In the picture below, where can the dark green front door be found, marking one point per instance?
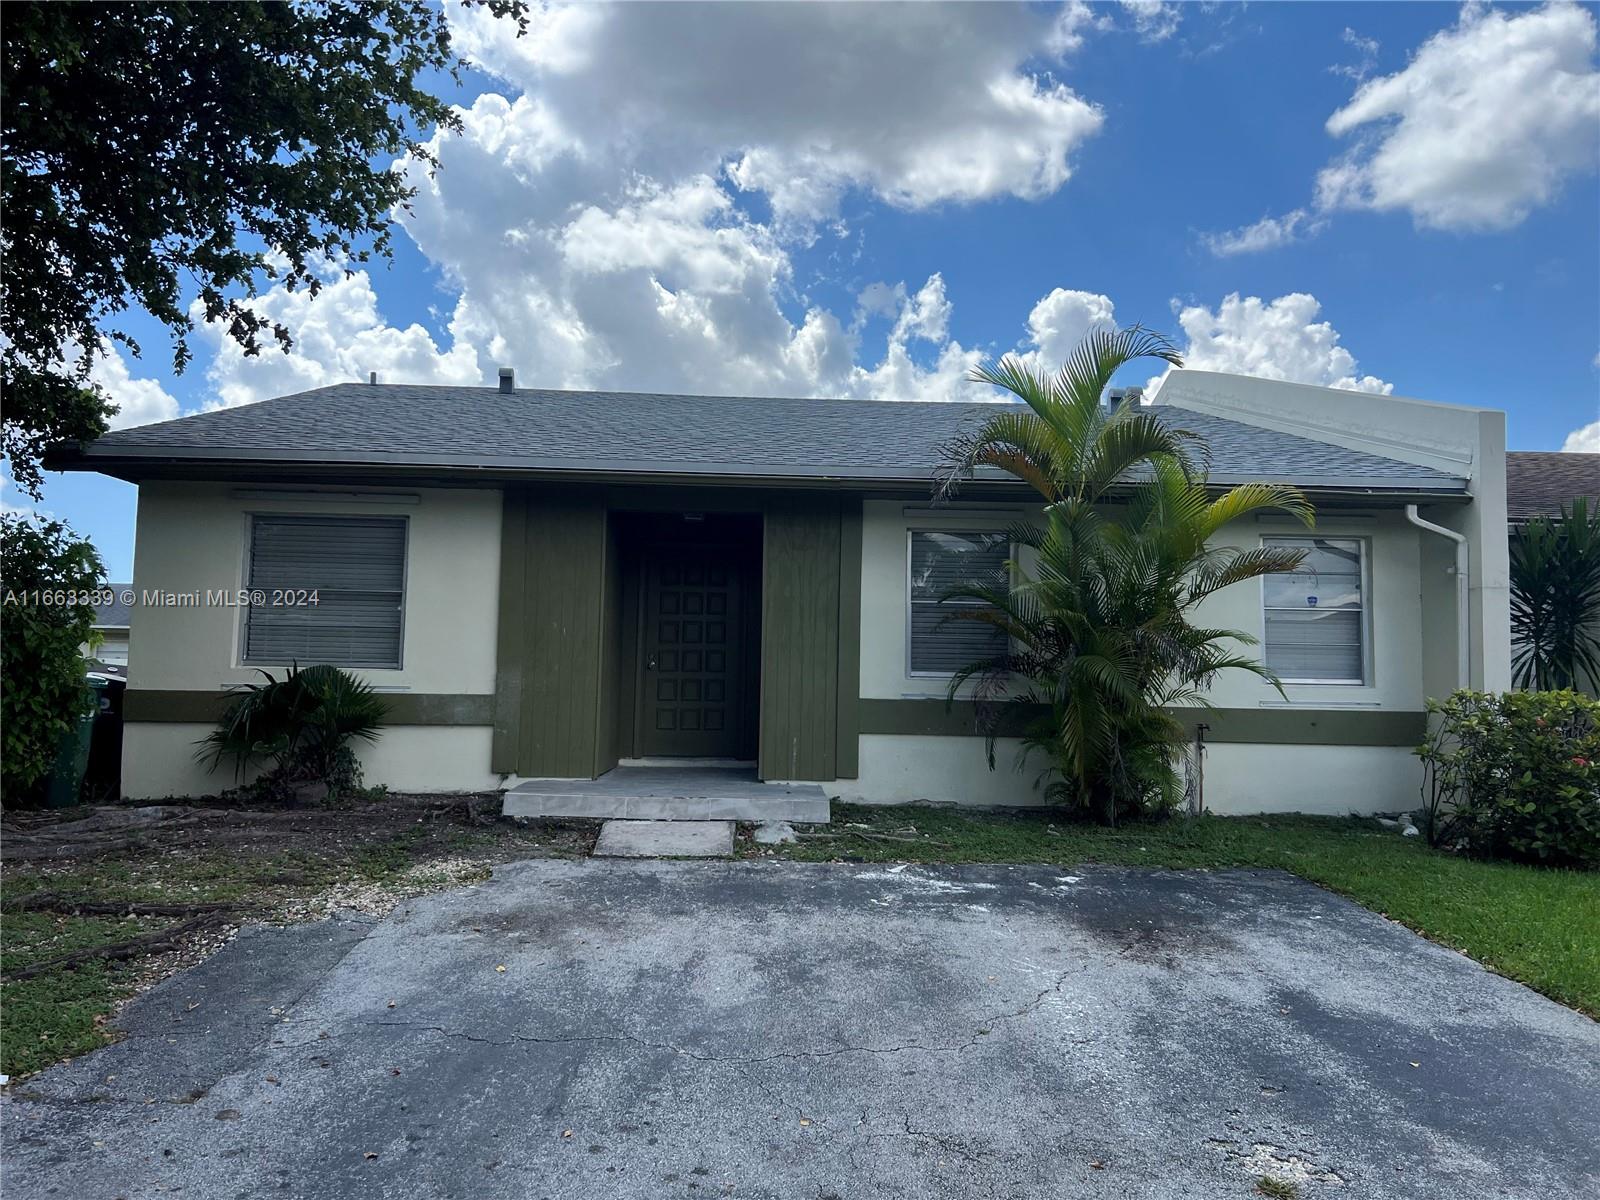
(690, 668)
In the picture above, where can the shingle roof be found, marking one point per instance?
(1538, 483)
(647, 433)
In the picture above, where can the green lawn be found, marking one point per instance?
(1539, 926)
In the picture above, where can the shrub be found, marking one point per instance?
(304, 723)
(1515, 776)
(43, 689)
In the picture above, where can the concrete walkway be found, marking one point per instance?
(665, 1030)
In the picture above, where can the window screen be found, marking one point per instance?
(356, 568)
(1316, 615)
(939, 562)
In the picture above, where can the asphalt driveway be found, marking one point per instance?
(670, 1029)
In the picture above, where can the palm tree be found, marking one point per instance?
(1555, 600)
(1098, 628)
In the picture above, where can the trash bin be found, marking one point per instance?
(102, 783)
(72, 756)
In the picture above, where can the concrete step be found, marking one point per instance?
(669, 794)
(665, 839)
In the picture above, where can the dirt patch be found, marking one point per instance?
(101, 904)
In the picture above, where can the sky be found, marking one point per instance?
(867, 200)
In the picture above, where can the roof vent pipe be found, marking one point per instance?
(1463, 597)
(372, 378)
(508, 379)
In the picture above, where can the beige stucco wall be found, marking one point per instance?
(1239, 778)
(1330, 780)
(158, 760)
(192, 537)
(1394, 606)
(903, 768)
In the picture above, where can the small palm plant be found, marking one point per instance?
(1555, 600)
(1099, 625)
(304, 722)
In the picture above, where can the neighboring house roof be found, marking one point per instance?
(115, 614)
(1538, 482)
(625, 434)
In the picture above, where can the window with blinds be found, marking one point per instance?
(1315, 615)
(355, 566)
(939, 562)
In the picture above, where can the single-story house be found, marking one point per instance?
(111, 624)
(548, 583)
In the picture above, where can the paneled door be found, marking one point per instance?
(689, 671)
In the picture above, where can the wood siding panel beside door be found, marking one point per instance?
(608, 713)
(801, 557)
(550, 700)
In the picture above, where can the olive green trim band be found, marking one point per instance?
(405, 708)
(1271, 726)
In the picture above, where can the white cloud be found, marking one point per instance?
(1583, 440)
(1366, 56)
(1483, 126)
(339, 337)
(924, 316)
(1154, 20)
(138, 401)
(1277, 339)
(596, 222)
(1266, 234)
(919, 104)
(22, 506)
(1059, 322)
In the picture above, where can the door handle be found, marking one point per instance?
(650, 663)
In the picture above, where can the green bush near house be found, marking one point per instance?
(305, 724)
(1515, 776)
(49, 578)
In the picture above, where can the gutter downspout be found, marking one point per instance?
(1463, 604)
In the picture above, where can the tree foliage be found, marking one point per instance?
(48, 577)
(1098, 608)
(1555, 600)
(159, 152)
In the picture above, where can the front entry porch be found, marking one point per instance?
(688, 793)
(676, 623)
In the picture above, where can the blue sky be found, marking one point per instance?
(849, 206)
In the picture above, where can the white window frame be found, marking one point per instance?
(952, 531)
(242, 635)
(1364, 549)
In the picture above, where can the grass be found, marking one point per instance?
(1278, 1189)
(64, 1012)
(1535, 925)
